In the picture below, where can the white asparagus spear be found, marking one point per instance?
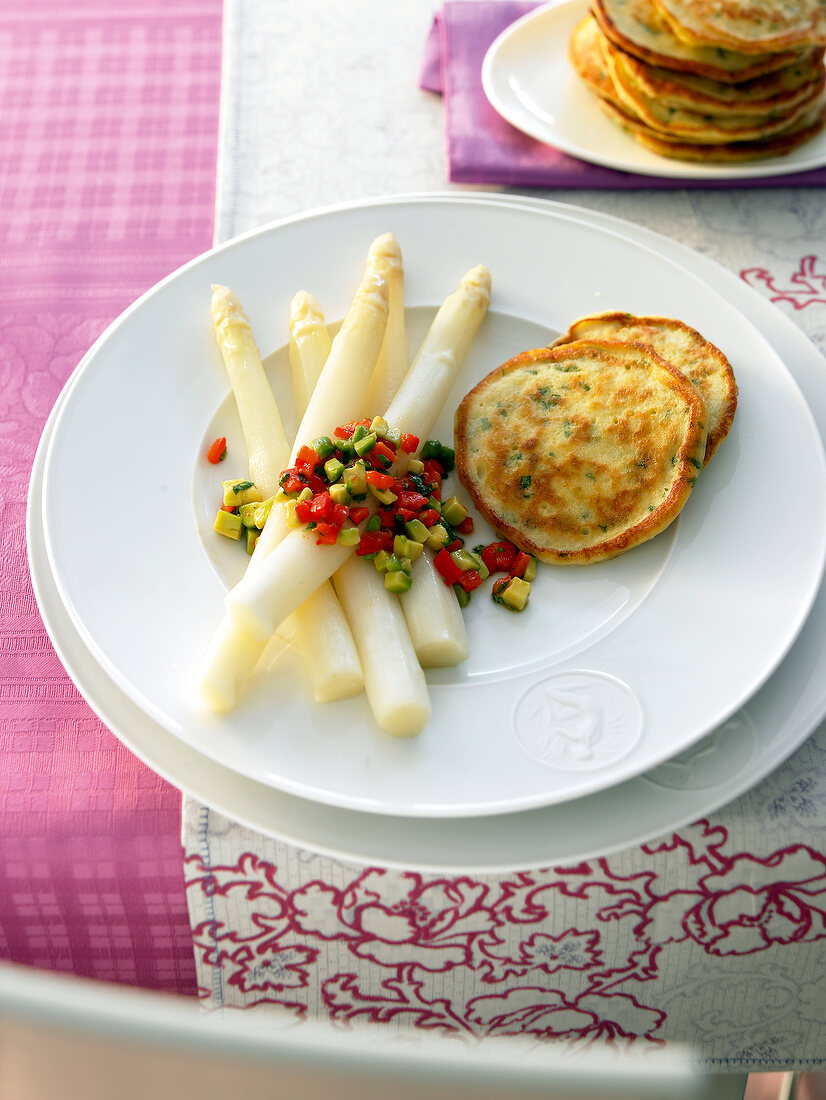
(267, 445)
(322, 632)
(394, 360)
(326, 641)
(309, 347)
(434, 618)
(267, 592)
(422, 394)
(393, 679)
(230, 658)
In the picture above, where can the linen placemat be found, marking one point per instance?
(481, 147)
(714, 935)
(108, 135)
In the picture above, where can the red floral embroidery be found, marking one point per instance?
(805, 287)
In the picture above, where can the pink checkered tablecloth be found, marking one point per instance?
(108, 137)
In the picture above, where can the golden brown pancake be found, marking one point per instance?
(807, 127)
(705, 366)
(681, 124)
(747, 26)
(639, 28)
(581, 452)
(778, 91)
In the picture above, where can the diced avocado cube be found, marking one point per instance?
(373, 523)
(348, 536)
(306, 493)
(380, 426)
(384, 496)
(229, 524)
(403, 547)
(338, 493)
(514, 594)
(323, 447)
(437, 537)
(262, 512)
(292, 518)
(395, 563)
(333, 469)
(381, 559)
(415, 466)
(530, 570)
(461, 595)
(393, 436)
(355, 478)
(238, 492)
(253, 535)
(247, 514)
(344, 445)
(359, 432)
(415, 529)
(480, 566)
(453, 511)
(435, 504)
(366, 444)
(464, 559)
(398, 581)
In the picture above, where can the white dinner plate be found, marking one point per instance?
(529, 81)
(752, 744)
(612, 670)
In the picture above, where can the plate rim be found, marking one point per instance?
(637, 787)
(668, 169)
(618, 228)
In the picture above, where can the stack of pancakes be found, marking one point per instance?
(583, 450)
(711, 80)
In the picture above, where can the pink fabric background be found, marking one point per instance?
(108, 136)
(483, 148)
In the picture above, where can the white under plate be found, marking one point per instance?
(612, 670)
(772, 725)
(529, 81)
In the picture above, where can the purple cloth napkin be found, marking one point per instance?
(483, 148)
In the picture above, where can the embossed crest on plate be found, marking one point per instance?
(710, 762)
(578, 720)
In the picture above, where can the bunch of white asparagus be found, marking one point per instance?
(354, 634)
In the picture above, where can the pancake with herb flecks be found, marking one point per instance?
(705, 366)
(639, 28)
(747, 26)
(580, 452)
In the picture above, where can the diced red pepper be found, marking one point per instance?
(345, 431)
(429, 516)
(470, 579)
(321, 508)
(499, 557)
(373, 541)
(327, 534)
(405, 514)
(382, 450)
(447, 568)
(359, 515)
(386, 517)
(307, 457)
(413, 501)
(409, 443)
(290, 481)
(228, 508)
(217, 451)
(522, 562)
(340, 514)
(377, 478)
(302, 511)
(456, 544)
(466, 526)
(433, 471)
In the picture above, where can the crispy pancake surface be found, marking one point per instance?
(812, 122)
(748, 26)
(580, 452)
(785, 88)
(640, 28)
(705, 366)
